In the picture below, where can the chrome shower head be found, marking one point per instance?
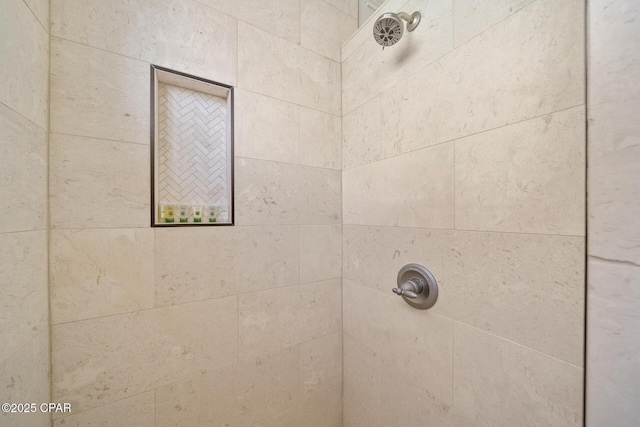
(389, 28)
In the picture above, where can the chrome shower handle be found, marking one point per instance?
(417, 286)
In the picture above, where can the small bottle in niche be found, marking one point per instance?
(197, 213)
(169, 211)
(223, 214)
(183, 213)
(161, 208)
(212, 213)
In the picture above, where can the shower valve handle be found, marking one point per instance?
(410, 288)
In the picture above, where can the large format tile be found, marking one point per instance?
(347, 6)
(318, 411)
(266, 192)
(279, 17)
(402, 335)
(98, 94)
(24, 378)
(501, 283)
(97, 183)
(614, 193)
(406, 402)
(499, 383)
(237, 396)
(92, 273)
(361, 140)
(471, 17)
(40, 9)
(136, 411)
(321, 366)
(23, 183)
(155, 32)
(414, 189)
(24, 53)
(102, 360)
(24, 306)
(362, 386)
(370, 70)
(526, 66)
(266, 128)
(320, 196)
(320, 139)
(288, 72)
(527, 177)
(323, 28)
(280, 193)
(194, 264)
(320, 252)
(277, 318)
(613, 343)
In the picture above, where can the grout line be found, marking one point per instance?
(48, 210)
(294, 103)
(180, 304)
(23, 231)
(464, 230)
(73, 135)
(458, 138)
(13, 110)
(454, 184)
(37, 19)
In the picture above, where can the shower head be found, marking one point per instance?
(389, 28)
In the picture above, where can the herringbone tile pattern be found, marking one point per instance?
(192, 139)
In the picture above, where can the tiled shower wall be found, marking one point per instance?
(201, 326)
(24, 121)
(464, 150)
(613, 350)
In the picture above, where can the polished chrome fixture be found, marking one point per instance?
(389, 28)
(417, 286)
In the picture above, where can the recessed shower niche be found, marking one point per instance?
(192, 150)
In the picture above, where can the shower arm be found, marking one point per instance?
(406, 17)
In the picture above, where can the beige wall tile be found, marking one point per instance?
(361, 135)
(471, 17)
(136, 411)
(320, 252)
(288, 72)
(98, 183)
(98, 94)
(196, 263)
(145, 31)
(23, 185)
(362, 385)
(526, 66)
(402, 335)
(277, 318)
(316, 35)
(280, 193)
(369, 70)
(92, 273)
(40, 9)
(322, 410)
(236, 396)
(497, 382)
(320, 196)
(527, 177)
(24, 306)
(321, 367)
(347, 6)
(279, 17)
(613, 342)
(24, 378)
(406, 403)
(320, 139)
(266, 192)
(614, 193)
(266, 128)
(24, 51)
(99, 361)
(414, 190)
(501, 283)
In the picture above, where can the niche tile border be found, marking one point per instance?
(169, 86)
